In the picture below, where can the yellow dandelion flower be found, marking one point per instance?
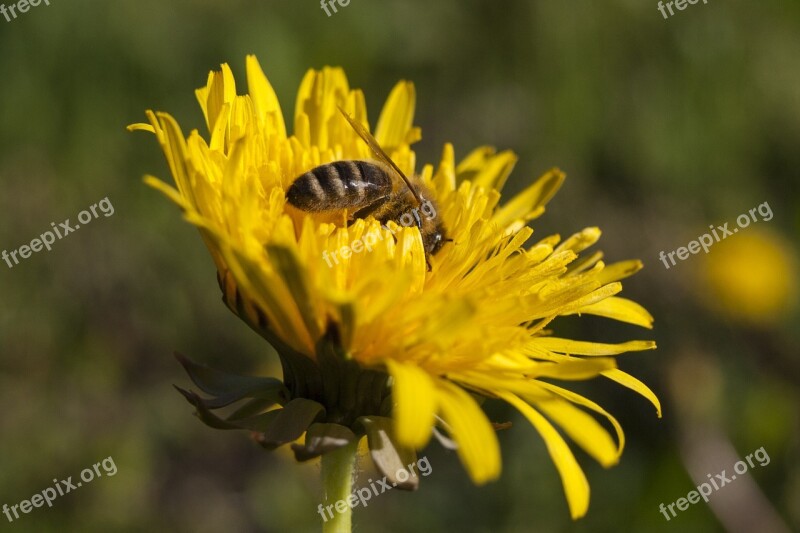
(751, 278)
(384, 341)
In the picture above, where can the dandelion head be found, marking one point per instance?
(398, 338)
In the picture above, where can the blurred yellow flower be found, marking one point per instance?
(473, 325)
(751, 277)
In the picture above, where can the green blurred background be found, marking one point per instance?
(663, 127)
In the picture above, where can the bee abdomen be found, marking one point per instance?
(339, 185)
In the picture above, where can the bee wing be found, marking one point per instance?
(378, 151)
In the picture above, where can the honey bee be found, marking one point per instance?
(370, 188)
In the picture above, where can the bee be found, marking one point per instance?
(377, 188)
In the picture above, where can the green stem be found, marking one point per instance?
(337, 480)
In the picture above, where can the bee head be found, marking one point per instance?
(434, 240)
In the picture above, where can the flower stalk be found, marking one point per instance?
(337, 479)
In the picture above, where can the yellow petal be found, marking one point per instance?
(295, 277)
(450, 314)
(580, 241)
(583, 429)
(264, 97)
(445, 178)
(415, 403)
(141, 127)
(575, 370)
(175, 150)
(620, 309)
(221, 91)
(473, 162)
(568, 346)
(169, 191)
(476, 438)
(495, 171)
(318, 97)
(272, 296)
(587, 262)
(397, 116)
(576, 487)
(530, 203)
(626, 380)
(605, 292)
(585, 402)
(620, 270)
(219, 131)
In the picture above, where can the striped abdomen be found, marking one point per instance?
(340, 185)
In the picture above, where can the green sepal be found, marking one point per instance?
(323, 438)
(348, 388)
(389, 457)
(201, 411)
(252, 407)
(229, 388)
(253, 423)
(289, 423)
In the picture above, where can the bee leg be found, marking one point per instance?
(367, 210)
